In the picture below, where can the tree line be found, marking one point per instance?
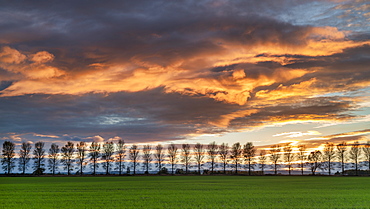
(116, 156)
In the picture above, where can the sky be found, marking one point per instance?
(266, 72)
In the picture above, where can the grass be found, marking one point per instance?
(185, 192)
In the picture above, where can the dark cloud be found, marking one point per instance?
(143, 116)
(163, 70)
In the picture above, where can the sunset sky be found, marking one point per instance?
(192, 71)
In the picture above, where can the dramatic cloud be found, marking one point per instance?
(157, 71)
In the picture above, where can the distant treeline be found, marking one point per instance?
(178, 159)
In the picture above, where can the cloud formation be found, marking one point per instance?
(164, 70)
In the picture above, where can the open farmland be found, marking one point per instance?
(185, 192)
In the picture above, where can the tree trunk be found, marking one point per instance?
(120, 166)
(134, 167)
(249, 168)
(94, 167)
(212, 165)
(24, 168)
(107, 169)
(81, 169)
(302, 167)
(275, 169)
(9, 167)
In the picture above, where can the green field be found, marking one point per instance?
(185, 192)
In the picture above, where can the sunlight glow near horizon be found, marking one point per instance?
(265, 72)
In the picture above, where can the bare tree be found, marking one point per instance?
(134, 156)
(147, 157)
(186, 157)
(262, 160)
(329, 154)
(94, 155)
(236, 155)
(366, 150)
(223, 151)
(121, 151)
(67, 156)
(107, 156)
(24, 156)
(249, 151)
(354, 154)
(199, 155)
(275, 156)
(301, 156)
(341, 153)
(8, 156)
(53, 158)
(159, 156)
(172, 154)
(212, 153)
(288, 156)
(39, 155)
(81, 156)
(314, 159)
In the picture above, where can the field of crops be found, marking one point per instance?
(185, 192)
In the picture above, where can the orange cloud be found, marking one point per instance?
(304, 88)
(141, 73)
(11, 56)
(225, 120)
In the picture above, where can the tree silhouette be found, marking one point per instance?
(159, 156)
(329, 154)
(186, 157)
(223, 151)
(53, 157)
(236, 155)
(121, 151)
(199, 155)
(212, 153)
(172, 154)
(262, 160)
(8, 156)
(134, 155)
(147, 157)
(24, 156)
(354, 154)
(94, 155)
(301, 156)
(288, 156)
(39, 155)
(81, 155)
(249, 151)
(275, 156)
(341, 152)
(314, 159)
(67, 156)
(366, 150)
(107, 156)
